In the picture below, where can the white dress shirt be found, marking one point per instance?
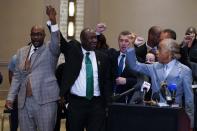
(79, 87)
(32, 50)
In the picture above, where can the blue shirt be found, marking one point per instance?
(12, 64)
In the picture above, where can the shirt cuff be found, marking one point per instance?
(54, 28)
(97, 33)
(49, 23)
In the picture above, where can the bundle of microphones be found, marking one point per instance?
(137, 99)
(167, 91)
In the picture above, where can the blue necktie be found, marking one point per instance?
(89, 77)
(121, 64)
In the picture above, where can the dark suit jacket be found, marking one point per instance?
(73, 61)
(193, 52)
(130, 75)
(141, 52)
(184, 56)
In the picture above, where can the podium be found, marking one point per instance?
(122, 117)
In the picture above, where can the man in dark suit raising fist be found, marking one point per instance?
(86, 81)
(150, 45)
(123, 78)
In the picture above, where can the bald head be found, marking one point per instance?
(167, 33)
(154, 30)
(38, 27)
(191, 30)
(153, 35)
(88, 39)
(37, 35)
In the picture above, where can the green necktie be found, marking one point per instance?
(89, 77)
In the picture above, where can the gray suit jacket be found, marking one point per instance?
(180, 75)
(41, 73)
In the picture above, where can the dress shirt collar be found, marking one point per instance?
(121, 54)
(33, 48)
(84, 51)
(171, 63)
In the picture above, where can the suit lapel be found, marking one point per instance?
(25, 54)
(79, 63)
(98, 60)
(116, 57)
(174, 74)
(115, 61)
(158, 68)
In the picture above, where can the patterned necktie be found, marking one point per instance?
(28, 59)
(120, 65)
(89, 77)
(30, 54)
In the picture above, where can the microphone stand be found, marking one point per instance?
(118, 96)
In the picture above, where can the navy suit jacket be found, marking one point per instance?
(132, 77)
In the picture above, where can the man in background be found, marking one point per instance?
(150, 45)
(169, 33)
(14, 111)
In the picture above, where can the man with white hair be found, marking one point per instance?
(169, 70)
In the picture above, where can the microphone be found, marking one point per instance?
(145, 88)
(118, 96)
(165, 92)
(172, 88)
(156, 97)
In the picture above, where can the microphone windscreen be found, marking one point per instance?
(172, 87)
(146, 86)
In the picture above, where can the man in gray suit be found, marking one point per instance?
(35, 83)
(176, 73)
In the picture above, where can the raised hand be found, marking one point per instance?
(51, 12)
(100, 28)
(120, 81)
(188, 39)
(139, 41)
